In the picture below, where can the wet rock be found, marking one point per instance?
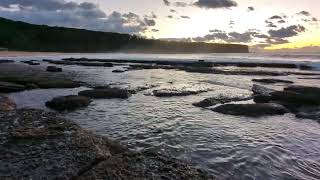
(6, 87)
(251, 110)
(118, 71)
(314, 115)
(174, 92)
(2, 61)
(94, 64)
(106, 93)
(31, 63)
(54, 69)
(262, 98)
(144, 165)
(35, 144)
(272, 81)
(6, 104)
(303, 90)
(68, 103)
(107, 64)
(265, 65)
(305, 67)
(141, 88)
(298, 95)
(257, 89)
(218, 100)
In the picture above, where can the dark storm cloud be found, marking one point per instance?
(185, 17)
(250, 9)
(232, 37)
(166, 2)
(213, 4)
(304, 13)
(70, 14)
(275, 17)
(270, 24)
(150, 22)
(41, 4)
(180, 4)
(173, 11)
(155, 30)
(281, 21)
(287, 32)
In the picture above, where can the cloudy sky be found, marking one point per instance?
(270, 24)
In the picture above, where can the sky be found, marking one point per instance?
(261, 24)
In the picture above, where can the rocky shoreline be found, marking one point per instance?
(36, 144)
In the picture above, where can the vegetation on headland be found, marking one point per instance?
(28, 37)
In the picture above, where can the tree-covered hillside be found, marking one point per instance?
(28, 37)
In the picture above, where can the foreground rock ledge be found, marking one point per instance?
(35, 144)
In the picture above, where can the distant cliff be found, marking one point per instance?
(28, 37)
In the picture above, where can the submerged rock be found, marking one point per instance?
(173, 92)
(72, 102)
(6, 87)
(106, 93)
(272, 81)
(35, 144)
(251, 110)
(218, 100)
(257, 89)
(6, 104)
(54, 69)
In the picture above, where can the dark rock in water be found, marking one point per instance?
(54, 69)
(68, 102)
(251, 110)
(6, 61)
(107, 64)
(248, 64)
(35, 144)
(141, 88)
(314, 115)
(144, 165)
(218, 100)
(106, 93)
(173, 92)
(32, 63)
(32, 86)
(262, 98)
(305, 67)
(118, 71)
(6, 104)
(257, 89)
(6, 87)
(271, 81)
(298, 96)
(304, 90)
